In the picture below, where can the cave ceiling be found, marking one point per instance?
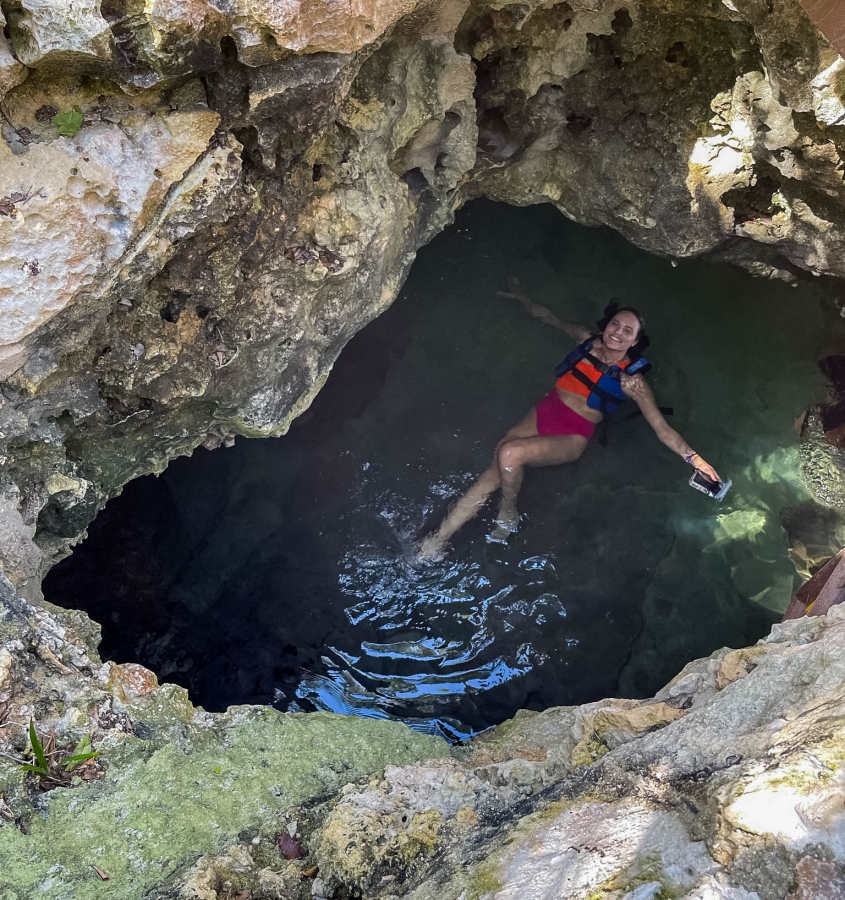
(200, 205)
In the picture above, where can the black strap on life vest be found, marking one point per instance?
(666, 410)
(603, 395)
(603, 427)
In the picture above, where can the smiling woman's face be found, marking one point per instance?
(621, 332)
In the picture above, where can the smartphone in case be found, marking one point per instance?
(714, 489)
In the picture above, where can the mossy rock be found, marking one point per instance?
(162, 808)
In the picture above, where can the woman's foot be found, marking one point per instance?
(506, 524)
(432, 548)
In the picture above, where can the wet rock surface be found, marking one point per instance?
(180, 264)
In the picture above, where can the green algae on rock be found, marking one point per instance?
(157, 807)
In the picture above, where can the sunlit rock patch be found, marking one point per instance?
(80, 206)
(735, 798)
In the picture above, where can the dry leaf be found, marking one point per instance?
(289, 847)
(301, 255)
(330, 260)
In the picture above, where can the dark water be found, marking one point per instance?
(278, 570)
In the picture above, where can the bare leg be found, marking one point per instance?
(463, 510)
(431, 547)
(514, 455)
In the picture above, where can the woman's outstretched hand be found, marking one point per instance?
(545, 315)
(636, 387)
(515, 293)
(702, 465)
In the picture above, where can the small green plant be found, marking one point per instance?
(54, 766)
(68, 123)
(42, 767)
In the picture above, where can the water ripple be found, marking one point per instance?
(452, 630)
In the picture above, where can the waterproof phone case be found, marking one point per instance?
(714, 489)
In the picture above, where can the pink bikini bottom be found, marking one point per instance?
(555, 417)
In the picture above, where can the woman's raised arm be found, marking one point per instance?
(576, 332)
(638, 390)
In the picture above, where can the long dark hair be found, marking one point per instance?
(637, 350)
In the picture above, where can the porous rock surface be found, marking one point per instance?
(728, 784)
(245, 187)
(176, 781)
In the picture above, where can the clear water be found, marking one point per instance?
(278, 571)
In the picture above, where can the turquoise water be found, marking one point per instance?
(279, 570)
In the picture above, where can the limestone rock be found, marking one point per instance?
(93, 198)
(314, 27)
(556, 741)
(21, 559)
(384, 833)
(360, 849)
(819, 879)
(211, 875)
(5, 674)
(359, 140)
(247, 187)
(61, 34)
(12, 71)
(697, 774)
(304, 93)
(167, 39)
(163, 759)
(822, 465)
(433, 129)
(740, 796)
(623, 849)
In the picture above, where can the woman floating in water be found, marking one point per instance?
(604, 370)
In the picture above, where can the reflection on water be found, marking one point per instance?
(282, 570)
(449, 632)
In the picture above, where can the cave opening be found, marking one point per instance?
(277, 571)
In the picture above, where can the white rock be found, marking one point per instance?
(798, 802)
(12, 72)
(95, 194)
(5, 672)
(60, 32)
(716, 887)
(647, 891)
(594, 842)
(58, 483)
